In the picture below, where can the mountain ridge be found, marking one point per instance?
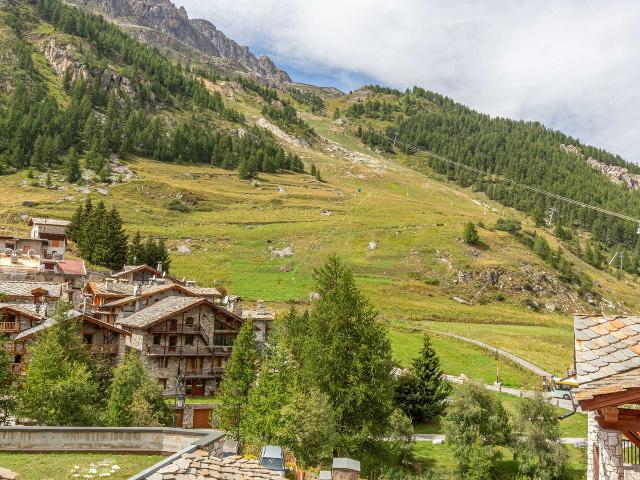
(160, 22)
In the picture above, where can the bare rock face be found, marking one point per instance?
(161, 21)
(60, 56)
(617, 174)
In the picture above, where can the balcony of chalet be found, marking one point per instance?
(10, 327)
(213, 372)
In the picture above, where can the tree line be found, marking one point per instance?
(99, 234)
(523, 151)
(38, 133)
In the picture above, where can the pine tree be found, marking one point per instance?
(313, 171)
(134, 252)
(111, 247)
(238, 380)
(72, 166)
(470, 234)
(163, 256)
(75, 225)
(423, 393)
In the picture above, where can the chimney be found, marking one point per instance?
(159, 267)
(136, 290)
(345, 469)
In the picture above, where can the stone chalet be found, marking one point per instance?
(607, 354)
(183, 335)
(54, 232)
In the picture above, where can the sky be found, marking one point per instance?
(573, 65)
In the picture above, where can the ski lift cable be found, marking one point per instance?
(515, 182)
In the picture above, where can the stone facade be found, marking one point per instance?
(605, 447)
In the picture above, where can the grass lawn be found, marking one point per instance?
(58, 466)
(458, 357)
(439, 458)
(194, 400)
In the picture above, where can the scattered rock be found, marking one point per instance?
(6, 474)
(183, 249)
(314, 296)
(373, 245)
(437, 441)
(102, 191)
(281, 189)
(461, 300)
(285, 268)
(28, 203)
(285, 252)
(580, 444)
(326, 212)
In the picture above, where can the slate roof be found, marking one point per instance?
(607, 354)
(48, 221)
(115, 288)
(205, 291)
(201, 464)
(148, 291)
(70, 314)
(28, 309)
(24, 289)
(160, 310)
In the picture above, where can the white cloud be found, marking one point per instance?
(573, 65)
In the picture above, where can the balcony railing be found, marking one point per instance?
(104, 348)
(13, 327)
(630, 453)
(178, 350)
(222, 349)
(204, 372)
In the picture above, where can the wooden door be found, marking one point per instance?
(195, 387)
(201, 418)
(179, 416)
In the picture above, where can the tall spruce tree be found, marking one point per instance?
(239, 377)
(347, 356)
(422, 394)
(134, 252)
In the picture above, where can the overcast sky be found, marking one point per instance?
(573, 65)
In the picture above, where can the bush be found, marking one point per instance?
(508, 225)
(178, 206)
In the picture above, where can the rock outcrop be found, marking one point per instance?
(616, 174)
(60, 56)
(153, 21)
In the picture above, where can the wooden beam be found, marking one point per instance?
(610, 414)
(631, 395)
(633, 437)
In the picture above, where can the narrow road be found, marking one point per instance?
(514, 358)
(516, 392)
(439, 438)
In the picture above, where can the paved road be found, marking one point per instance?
(564, 404)
(439, 438)
(514, 358)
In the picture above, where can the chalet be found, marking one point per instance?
(54, 232)
(21, 256)
(41, 294)
(183, 337)
(607, 354)
(100, 338)
(262, 319)
(142, 275)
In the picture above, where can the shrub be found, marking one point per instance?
(178, 206)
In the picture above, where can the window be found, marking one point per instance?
(220, 325)
(156, 339)
(173, 325)
(163, 383)
(188, 340)
(17, 359)
(87, 338)
(188, 321)
(223, 340)
(163, 362)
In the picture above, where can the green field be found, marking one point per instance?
(60, 466)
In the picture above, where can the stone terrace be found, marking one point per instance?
(201, 465)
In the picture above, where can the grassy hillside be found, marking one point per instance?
(400, 228)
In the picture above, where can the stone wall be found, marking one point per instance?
(632, 472)
(609, 446)
(98, 439)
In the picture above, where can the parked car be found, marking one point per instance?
(272, 458)
(563, 387)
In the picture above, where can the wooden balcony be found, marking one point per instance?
(222, 350)
(204, 372)
(11, 327)
(178, 350)
(104, 348)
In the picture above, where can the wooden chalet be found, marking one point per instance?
(607, 353)
(183, 336)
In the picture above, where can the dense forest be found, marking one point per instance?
(36, 131)
(526, 152)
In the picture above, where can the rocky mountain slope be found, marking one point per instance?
(160, 23)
